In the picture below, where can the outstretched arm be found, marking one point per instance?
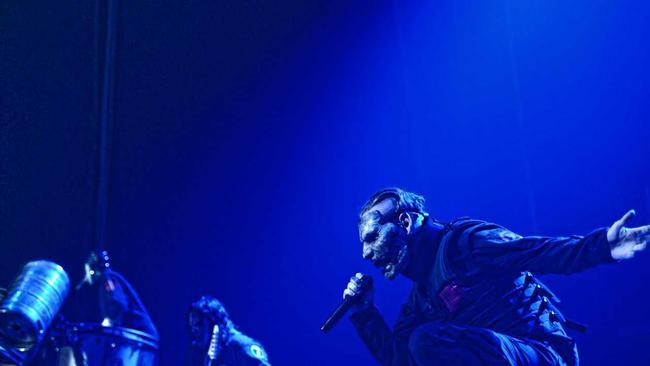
(493, 247)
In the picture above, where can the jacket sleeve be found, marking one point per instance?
(376, 335)
(389, 347)
(492, 247)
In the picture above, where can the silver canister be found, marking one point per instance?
(32, 302)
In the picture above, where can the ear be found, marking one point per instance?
(406, 221)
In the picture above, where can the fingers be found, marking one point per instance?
(359, 279)
(354, 286)
(615, 232)
(627, 217)
(641, 242)
(641, 246)
(642, 237)
(639, 232)
(353, 289)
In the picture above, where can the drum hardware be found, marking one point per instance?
(28, 308)
(91, 344)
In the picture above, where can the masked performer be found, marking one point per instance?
(216, 341)
(474, 299)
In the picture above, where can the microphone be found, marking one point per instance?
(365, 282)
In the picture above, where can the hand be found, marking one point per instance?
(365, 292)
(625, 242)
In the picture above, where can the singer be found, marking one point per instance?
(474, 301)
(216, 341)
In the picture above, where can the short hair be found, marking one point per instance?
(404, 201)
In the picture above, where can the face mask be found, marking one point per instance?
(388, 246)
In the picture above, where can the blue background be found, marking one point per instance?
(247, 134)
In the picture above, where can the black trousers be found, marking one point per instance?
(446, 344)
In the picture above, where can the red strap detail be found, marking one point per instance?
(451, 295)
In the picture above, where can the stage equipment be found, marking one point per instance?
(365, 283)
(9, 357)
(97, 345)
(31, 304)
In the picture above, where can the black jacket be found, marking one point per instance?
(480, 277)
(240, 350)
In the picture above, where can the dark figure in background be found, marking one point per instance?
(106, 323)
(473, 300)
(216, 341)
(108, 298)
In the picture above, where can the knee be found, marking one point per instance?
(447, 344)
(416, 340)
